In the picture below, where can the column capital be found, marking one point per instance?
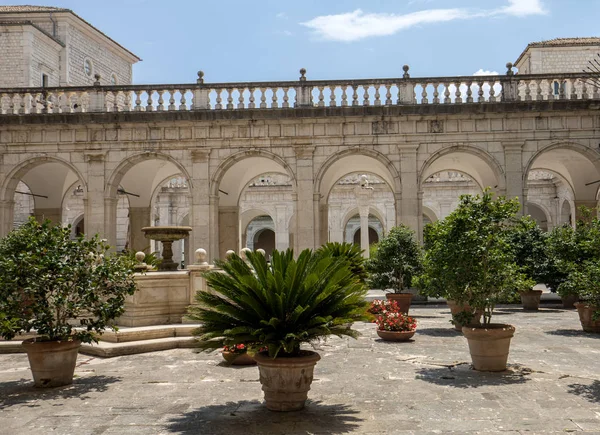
(201, 155)
(304, 151)
(94, 156)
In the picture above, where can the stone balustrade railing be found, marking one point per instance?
(299, 94)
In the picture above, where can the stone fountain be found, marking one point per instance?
(166, 235)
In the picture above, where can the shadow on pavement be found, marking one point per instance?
(23, 391)
(573, 333)
(440, 332)
(463, 376)
(252, 417)
(588, 392)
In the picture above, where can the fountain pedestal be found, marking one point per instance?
(166, 235)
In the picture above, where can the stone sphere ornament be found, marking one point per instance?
(201, 256)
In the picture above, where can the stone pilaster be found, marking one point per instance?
(94, 206)
(304, 201)
(409, 204)
(513, 158)
(7, 209)
(200, 209)
(139, 217)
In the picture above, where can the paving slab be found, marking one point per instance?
(364, 386)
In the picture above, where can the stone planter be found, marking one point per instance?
(568, 301)
(238, 359)
(395, 335)
(286, 381)
(457, 308)
(403, 300)
(531, 299)
(586, 311)
(489, 346)
(52, 362)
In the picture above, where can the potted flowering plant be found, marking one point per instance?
(392, 323)
(237, 355)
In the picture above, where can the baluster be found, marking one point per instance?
(538, 90)
(527, 91)
(457, 93)
(229, 98)
(161, 101)
(424, 99)
(172, 100)
(332, 102)
(584, 91)
(481, 98)
(377, 101)
(77, 98)
(149, 102)
(263, 98)
(286, 98)
(73, 103)
(241, 103)
(11, 105)
(388, 95)
(22, 104)
(436, 94)
(138, 101)
(321, 102)
(218, 105)
(183, 102)
(562, 90)
(344, 96)
(366, 96)
(550, 89)
(274, 101)
(447, 99)
(595, 92)
(573, 84)
(492, 98)
(469, 92)
(128, 101)
(355, 95)
(251, 105)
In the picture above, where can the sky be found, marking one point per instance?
(262, 40)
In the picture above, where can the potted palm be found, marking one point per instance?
(394, 263)
(279, 306)
(479, 262)
(65, 290)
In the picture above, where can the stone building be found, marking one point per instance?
(294, 163)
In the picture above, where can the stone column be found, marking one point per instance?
(213, 227)
(282, 236)
(7, 209)
(110, 224)
(95, 217)
(364, 193)
(229, 233)
(139, 217)
(304, 202)
(204, 232)
(409, 206)
(513, 158)
(336, 232)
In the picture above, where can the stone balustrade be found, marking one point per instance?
(299, 94)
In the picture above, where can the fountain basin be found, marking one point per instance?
(166, 235)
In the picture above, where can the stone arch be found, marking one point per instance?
(574, 162)
(477, 164)
(18, 172)
(430, 213)
(328, 174)
(272, 163)
(372, 211)
(531, 206)
(125, 165)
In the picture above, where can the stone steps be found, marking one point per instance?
(126, 341)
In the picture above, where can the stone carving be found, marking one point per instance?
(436, 126)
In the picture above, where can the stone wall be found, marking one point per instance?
(44, 59)
(12, 63)
(542, 60)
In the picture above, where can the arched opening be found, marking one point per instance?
(249, 182)
(538, 214)
(373, 236)
(442, 192)
(353, 227)
(260, 234)
(265, 239)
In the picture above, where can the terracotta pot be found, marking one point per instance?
(457, 308)
(286, 381)
(403, 300)
(586, 311)
(531, 299)
(395, 335)
(489, 346)
(52, 362)
(568, 301)
(238, 359)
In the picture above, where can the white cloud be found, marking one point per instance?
(352, 26)
(484, 72)
(282, 15)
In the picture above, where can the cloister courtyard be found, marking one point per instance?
(364, 386)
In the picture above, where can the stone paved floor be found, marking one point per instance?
(361, 386)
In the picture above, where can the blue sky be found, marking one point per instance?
(245, 40)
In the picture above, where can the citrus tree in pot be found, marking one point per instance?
(280, 306)
(585, 282)
(394, 263)
(481, 264)
(65, 290)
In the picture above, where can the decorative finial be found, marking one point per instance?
(139, 256)
(244, 253)
(261, 252)
(200, 77)
(303, 74)
(509, 72)
(229, 253)
(201, 257)
(140, 266)
(406, 75)
(97, 77)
